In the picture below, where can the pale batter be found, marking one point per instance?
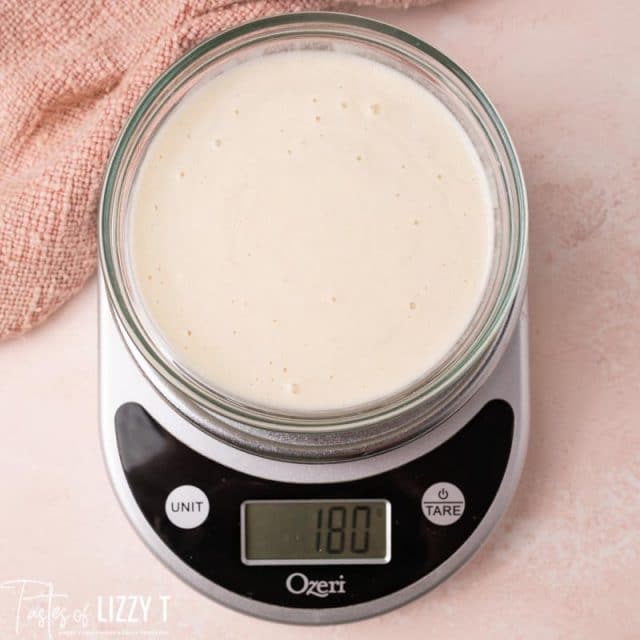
(311, 231)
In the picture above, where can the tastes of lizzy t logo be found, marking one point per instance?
(35, 609)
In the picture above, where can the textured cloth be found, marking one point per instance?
(70, 73)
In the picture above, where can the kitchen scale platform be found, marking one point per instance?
(312, 542)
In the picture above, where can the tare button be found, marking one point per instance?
(187, 507)
(443, 504)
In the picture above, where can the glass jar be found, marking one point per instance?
(392, 420)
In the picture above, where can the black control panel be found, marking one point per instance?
(436, 502)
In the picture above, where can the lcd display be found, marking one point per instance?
(316, 531)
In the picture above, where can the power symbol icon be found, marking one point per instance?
(443, 494)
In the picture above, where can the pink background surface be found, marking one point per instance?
(565, 561)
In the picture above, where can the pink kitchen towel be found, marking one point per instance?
(70, 73)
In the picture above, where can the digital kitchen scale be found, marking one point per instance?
(392, 525)
(329, 516)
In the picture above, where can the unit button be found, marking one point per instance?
(187, 507)
(443, 504)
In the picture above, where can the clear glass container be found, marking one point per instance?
(391, 420)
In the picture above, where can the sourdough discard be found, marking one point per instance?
(311, 231)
